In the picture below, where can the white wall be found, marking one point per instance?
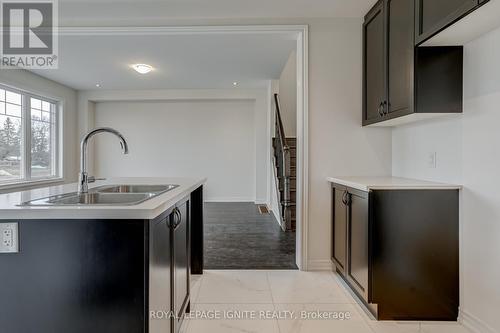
(468, 153)
(338, 145)
(288, 96)
(28, 81)
(213, 139)
(414, 144)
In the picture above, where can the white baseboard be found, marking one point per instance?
(475, 324)
(277, 217)
(319, 265)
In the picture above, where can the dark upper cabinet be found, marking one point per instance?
(432, 16)
(339, 230)
(388, 60)
(400, 16)
(375, 66)
(398, 86)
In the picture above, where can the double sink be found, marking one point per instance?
(106, 195)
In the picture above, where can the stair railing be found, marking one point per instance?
(284, 163)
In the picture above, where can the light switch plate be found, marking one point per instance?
(9, 237)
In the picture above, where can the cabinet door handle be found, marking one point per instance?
(381, 109)
(175, 219)
(178, 215)
(344, 200)
(386, 108)
(347, 198)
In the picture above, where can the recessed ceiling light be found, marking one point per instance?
(142, 68)
(98, 85)
(235, 83)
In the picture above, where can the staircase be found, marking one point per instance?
(285, 163)
(287, 213)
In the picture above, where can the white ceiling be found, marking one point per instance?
(134, 9)
(187, 61)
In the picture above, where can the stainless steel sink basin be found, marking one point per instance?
(107, 195)
(135, 188)
(100, 199)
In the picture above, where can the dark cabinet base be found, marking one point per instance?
(413, 255)
(76, 276)
(415, 243)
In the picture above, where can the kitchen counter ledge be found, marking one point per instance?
(390, 183)
(10, 209)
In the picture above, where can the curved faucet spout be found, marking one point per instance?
(84, 179)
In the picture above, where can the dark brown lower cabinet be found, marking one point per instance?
(339, 245)
(400, 249)
(180, 264)
(357, 240)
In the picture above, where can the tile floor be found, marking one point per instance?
(252, 293)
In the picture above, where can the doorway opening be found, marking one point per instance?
(225, 80)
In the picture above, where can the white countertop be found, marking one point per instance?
(149, 209)
(390, 183)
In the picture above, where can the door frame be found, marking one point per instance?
(301, 34)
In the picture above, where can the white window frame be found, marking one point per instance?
(56, 135)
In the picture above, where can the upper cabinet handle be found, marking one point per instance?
(386, 107)
(381, 109)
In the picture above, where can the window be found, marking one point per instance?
(28, 137)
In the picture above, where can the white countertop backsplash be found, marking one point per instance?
(9, 209)
(390, 183)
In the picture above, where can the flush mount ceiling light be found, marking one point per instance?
(235, 84)
(142, 68)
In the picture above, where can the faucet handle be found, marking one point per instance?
(92, 179)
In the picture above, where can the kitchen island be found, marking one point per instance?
(101, 268)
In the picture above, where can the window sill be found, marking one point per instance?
(29, 185)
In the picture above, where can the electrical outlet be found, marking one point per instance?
(432, 160)
(9, 238)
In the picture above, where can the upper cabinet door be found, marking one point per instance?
(435, 15)
(401, 46)
(374, 90)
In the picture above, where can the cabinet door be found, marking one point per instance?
(357, 243)
(374, 88)
(180, 226)
(401, 46)
(433, 15)
(339, 229)
(160, 273)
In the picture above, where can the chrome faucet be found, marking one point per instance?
(84, 179)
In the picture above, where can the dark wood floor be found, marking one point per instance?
(237, 236)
